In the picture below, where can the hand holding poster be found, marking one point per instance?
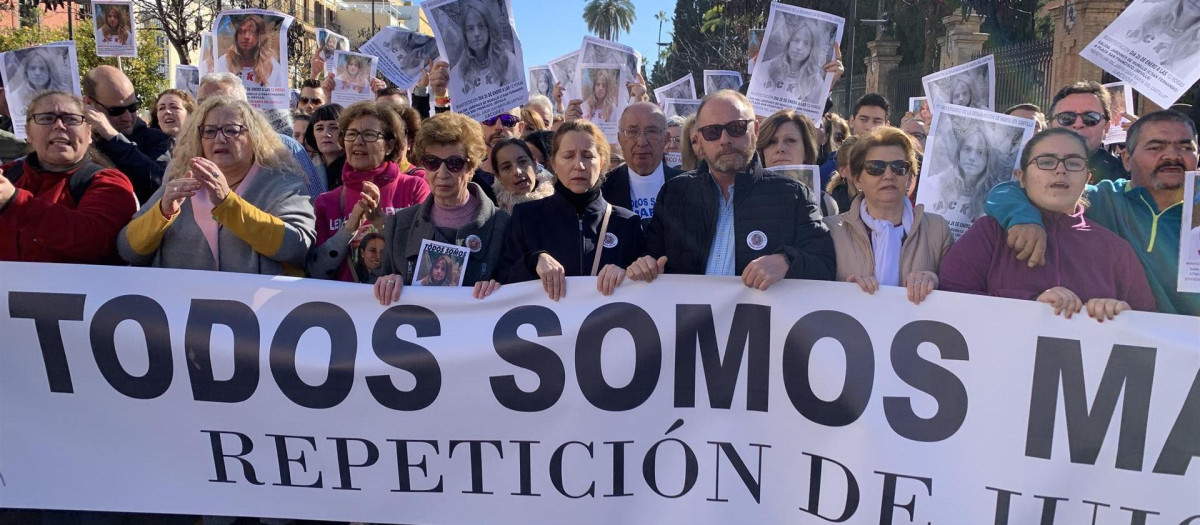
(565, 70)
(684, 88)
(971, 85)
(329, 43)
(798, 43)
(353, 80)
(441, 264)
(187, 78)
(402, 54)
(252, 44)
(1189, 245)
(715, 81)
(112, 21)
(485, 65)
(1153, 47)
(32, 69)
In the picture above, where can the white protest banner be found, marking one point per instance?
(187, 78)
(599, 51)
(971, 85)
(402, 54)
(353, 80)
(797, 45)
(1153, 47)
(683, 107)
(967, 153)
(1122, 103)
(1189, 244)
(688, 400)
(541, 82)
(32, 69)
(565, 70)
(329, 43)
(716, 80)
(683, 88)
(257, 37)
(112, 21)
(485, 66)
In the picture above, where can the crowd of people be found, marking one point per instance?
(538, 193)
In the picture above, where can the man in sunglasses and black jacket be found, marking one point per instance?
(1085, 107)
(139, 151)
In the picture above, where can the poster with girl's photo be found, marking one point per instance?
(441, 264)
(716, 80)
(352, 81)
(207, 61)
(403, 54)
(252, 44)
(683, 88)
(187, 78)
(113, 24)
(682, 107)
(971, 85)
(478, 38)
(1122, 103)
(1189, 244)
(329, 43)
(1153, 47)
(791, 71)
(563, 69)
(807, 174)
(600, 86)
(38, 68)
(541, 82)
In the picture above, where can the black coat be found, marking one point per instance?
(1104, 166)
(142, 156)
(616, 185)
(783, 209)
(551, 225)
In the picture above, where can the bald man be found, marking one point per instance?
(642, 133)
(139, 151)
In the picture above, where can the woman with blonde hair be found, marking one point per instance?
(232, 200)
(690, 155)
(600, 105)
(251, 57)
(113, 26)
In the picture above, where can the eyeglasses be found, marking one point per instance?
(433, 163)
(69, 120)
(875, 168)
(231, 131)
(1067, 118)
(369, 135)
(651, 134)
(1049, 162)
(117, 111)
(306, 100)
(674, 141)
(735, 129)
(508, 120)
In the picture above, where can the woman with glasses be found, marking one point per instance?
(1086, 264)
(519, 178)
(171, 110)
(450, 147)
(882, 239)
(377, 181)
(788, 138)
(232, 200)
(59, 204)
(573, 232)
(324, 137)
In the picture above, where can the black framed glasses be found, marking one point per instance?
(637, 134)
(735, 129)
(1067, 118)
(69, 120)
(875, 168)
(433, 163)
(369, 135)
(116, 111)
(231, 131)
(507, 120)
(1050, 162)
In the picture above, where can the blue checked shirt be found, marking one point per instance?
(721, 254)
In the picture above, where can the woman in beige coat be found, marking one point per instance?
(882, 239)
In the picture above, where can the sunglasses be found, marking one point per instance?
(1067, 118)
(116, 111)
(433, 163)
(875, 168)
(735, 129)
(306, 100)
(507, 120)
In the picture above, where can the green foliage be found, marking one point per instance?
(609, 18)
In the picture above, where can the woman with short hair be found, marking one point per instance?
(324, 137)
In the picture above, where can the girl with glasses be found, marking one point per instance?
(1086, 264)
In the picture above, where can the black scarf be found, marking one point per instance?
(579, 200)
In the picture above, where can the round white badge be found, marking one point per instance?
(474, 243)
(610, 240)
(757, 240)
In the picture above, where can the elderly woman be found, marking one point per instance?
(171, 110)
(882, 239)
(1086, 264)
(518, 176)
(574, 232)
(58, 204)
(450, 148)
(232, 200)
(788, 138)
(324, 137)
(376, 182)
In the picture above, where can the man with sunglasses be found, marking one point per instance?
(1085, 107)
(137, 150)
(731, 216)
(311, 96)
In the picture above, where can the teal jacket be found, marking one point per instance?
(1129, 211)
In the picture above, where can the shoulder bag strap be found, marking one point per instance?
(600, 239)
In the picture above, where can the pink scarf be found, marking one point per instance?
(202, 209)
(382, 177)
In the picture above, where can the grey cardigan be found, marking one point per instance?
(241, 237)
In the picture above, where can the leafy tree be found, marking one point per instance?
(181, 21)
(609, 18)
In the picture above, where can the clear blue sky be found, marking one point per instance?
(551, 28)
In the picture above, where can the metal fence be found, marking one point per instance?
(1023, 73)
(904, 83)
(840, 105)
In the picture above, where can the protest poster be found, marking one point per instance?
(683, 88)
(754, 43)
(216, 393)
(599, 51)
(971, 85)
(541, 82)
(207, 62)
(673, 159)
(1153, 47)
(797, 44)
(257, 37)
(1122, 103)
(402, 54)
(807, 174)
(187, 78)
(329, 43)
(968, 152)
(485, 66)
(1189, 230)
(352, 83)
(683, 107)
(564, 70)
(441, 264)
(601, 95)
(716, 80)
(37, 68)
(112, 21)
(918, 104)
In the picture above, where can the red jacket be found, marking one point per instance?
(43, 223)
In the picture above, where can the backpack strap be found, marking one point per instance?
(77, 184)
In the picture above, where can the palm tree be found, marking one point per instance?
(609, 18)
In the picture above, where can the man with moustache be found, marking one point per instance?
(1147, 210)
(643, 138)
(731, 216)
